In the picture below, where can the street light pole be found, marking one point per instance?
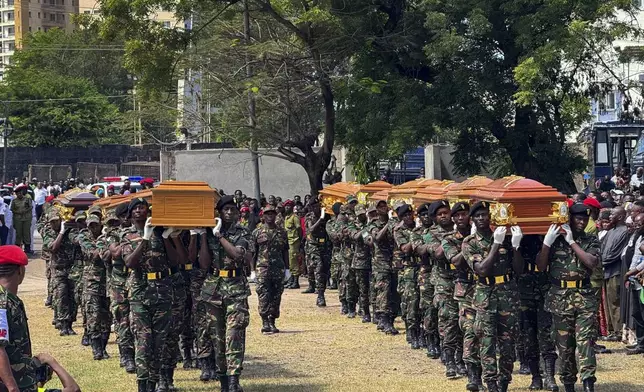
(251, 107)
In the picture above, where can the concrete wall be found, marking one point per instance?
(230, 169)
(438, 162)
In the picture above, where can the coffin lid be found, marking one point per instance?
(76, 198)
(183, 204)
(371, 188)
(382, 195)
(516, 188)
(434, 192)
(337, 192)
(467, 189)
(407, 191)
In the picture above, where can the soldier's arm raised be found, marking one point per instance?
(484, 267)
(517, 261)
(205, 258)
(193, 252)
(180, 249)
(58, 241)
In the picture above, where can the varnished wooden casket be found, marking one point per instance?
(467, 190)
(72, 201)
(183, 204)
(520, 201)
(369, 189)
(382, 195)
(337, 193)
(406, 192)
(433, 193)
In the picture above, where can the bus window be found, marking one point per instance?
(601, 153)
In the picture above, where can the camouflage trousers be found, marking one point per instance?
(448, 327)
(428, 310)
(385, 286)
(335, 274)
(50, 287)
(293, 255)
(348, 287)
(372, 291)
(363, 283)
(63, 295)
(409, 296)
(227, 324)
(150, 323)
(466, 317)
(187, 333)
(79, 300)
(121, 313)
(170, 354)
(317, 265)
(535, 334)
(97, 311)
(203, 342)
(269, 296)
(496, 328)
(574, 314)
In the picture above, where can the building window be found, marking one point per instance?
(9, 17)
(608, 101)
(30, 29)
(52, 17)
(38, 15)
(11, 31)
(166, 24)
(61, 17)
(638, 3)
(30, 14)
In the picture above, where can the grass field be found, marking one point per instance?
(317, 350)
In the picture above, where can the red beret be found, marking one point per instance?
(244, 209)
(147, 180)
(49, 198)
(289, 202)
(590, 202)
(570, 202)
(12, 254)
(110, 187)
(20, 187)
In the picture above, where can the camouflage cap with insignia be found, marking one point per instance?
(269, 208)
(398, 204)
(95, 210)
(352, 199)
(80, 215)
(111, 216)
(53, 215)
(360, 209)
(92, 219)
(372, 208)
(479, 205)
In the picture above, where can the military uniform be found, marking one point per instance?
(317, 255)
(22, 214)
(294, 232)
(573, 304)
(77, 272)
(271, 244)
(334, 231)
(62, 261)
(385, 279)
(349, 288)
(361, 264)
(408, 285)
(150, 294)
(496, 300)
(429, 312)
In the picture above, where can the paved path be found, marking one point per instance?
(35, 282)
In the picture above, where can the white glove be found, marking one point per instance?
(217, 228)
(287, 274)
(148, 229)
(322, 213)
(418, 222)
(104, 231)
(62, 227)
(252, 276)
(499, 234)
(551, 235)
(390, 214)
(199, 231)
(473, 229)
(516, 236)
(168, 232)
(569, 238)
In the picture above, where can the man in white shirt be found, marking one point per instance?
(40, 194)
(637, 179)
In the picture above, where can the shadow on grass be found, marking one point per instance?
(210, 387)
(260, 367)
(616, 386)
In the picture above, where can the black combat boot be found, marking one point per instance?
(422, 338)
(162, 385)
(569, 387)
(296, 283)
(439, 346)
(478, 376)
(589, 385)
(223, 381)
(97, 349)
(333, 285)
(471, 386)
(233, 384)
(352, 310)
(503, 385)
(407, 333)
(461, 369)
(271, 323)
(389, 326)
(524, 367)
(48, 301)
(106, 338)
(450, 365)
(170, 379)
(311, 288)
(266, 327)
(142, 385)
(207, 370)
(152, 386)
(551, 383)
(366, 317)
(188, 360)
(85, 340)
(321, 302)
(344, 309)
(130, 366)
(492, 386)
(433, 350)
(537, 381)
(415, 343)
(289, 282)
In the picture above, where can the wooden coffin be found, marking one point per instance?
(183, 204)
(369, 189)
(382, 195)
(467, 190)
(72, 201)
(406, 192)
(520, 201)
(337, 192)
(433, 193)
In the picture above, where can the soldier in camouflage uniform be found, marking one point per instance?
(535, 322)
(334, 229)
(426, 288)
(187, 333)
(361, 264)
(271, 244)
(77, 272)
(225, 254)
(57, 239)
(317, 250)
(45, 253)
(496, 299)
(95, 254)
(382, 263)
(570, 260)
(149, 256)
(405, 240)
(348, 277)
(464, 293)
(120, 304)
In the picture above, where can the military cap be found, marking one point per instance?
(461, 206)
(606, 204)
(224, 201)
(479, 205)
(403, 209)
(398, 204)
(53, 215)
(269, 208)
(579, 209)
(435, 206)
(135, 202)
(121, 209)
(372, 208)
(244, 209)
(80, 215)
(12, 254)
(94, 210)
(352, 199)
(423, 209)
(111, 216)
(336, 208)
(91, 218)
(360, 209)
(19, 188)
(378, 203)
(289, 202)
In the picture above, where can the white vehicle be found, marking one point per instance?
(117, 182)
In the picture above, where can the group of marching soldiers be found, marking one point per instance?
(473, 296)
(171, 294)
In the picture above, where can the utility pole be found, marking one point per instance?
(7, 129)
(251, 105)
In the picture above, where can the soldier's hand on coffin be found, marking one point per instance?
(551, 235)
(568, 237)
(198, 231)
(148, 229)
(499, 234)
(517, 235)
(217, 228)
(168, 232)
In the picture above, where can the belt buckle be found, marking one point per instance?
(452, 266)
(499, 279)
(151, 275)
(188, 267)
(571, 284)
(321, 240)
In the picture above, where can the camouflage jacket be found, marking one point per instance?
(95, 272)
(420, 235)
(63, 258)
(442, 272)
(333, 230)
(15, 339)
(452, 244)
(396, 255)
(344, 229)
(154, 259)
(270, 245)
(317, 237)
(119, 270)
(382, 258)
(403, 236)
(362, 250)
(79, 265)
(476, 248)
(564, 263)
